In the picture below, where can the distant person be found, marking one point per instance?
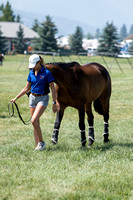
(29, 49)
(39, 80)
(1, 59)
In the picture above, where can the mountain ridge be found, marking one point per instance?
(64, 25)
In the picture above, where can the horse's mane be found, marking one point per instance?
(64, 65)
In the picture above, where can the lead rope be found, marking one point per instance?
(11, 115)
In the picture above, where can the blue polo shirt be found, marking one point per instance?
(40, 83)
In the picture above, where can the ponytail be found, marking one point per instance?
(42, 61)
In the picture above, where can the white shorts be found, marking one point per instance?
(38, 100)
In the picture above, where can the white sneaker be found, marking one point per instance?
(40, 146)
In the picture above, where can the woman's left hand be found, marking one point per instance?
(13, 100)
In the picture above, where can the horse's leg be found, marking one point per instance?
(82, 125)
(59, 117)
(105, 105)
(90, 122)
(106, 127)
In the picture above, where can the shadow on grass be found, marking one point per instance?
(8, 116)
(110, 145)
(4, 116)
(59, 147)
(103, 147)
(128, 145)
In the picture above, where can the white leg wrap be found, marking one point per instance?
(91, 138)
(91, 127)
(52, 139)
(105, 134)
(82, 131)
(83, 141)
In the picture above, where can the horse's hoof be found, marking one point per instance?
(90, 142)
(53, 141)
(83, 143)
(106, 140)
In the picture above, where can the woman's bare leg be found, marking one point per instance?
(36, 114)
(35, 134)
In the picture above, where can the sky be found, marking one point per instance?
(92, 12)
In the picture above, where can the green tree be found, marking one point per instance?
(108, 39)
(131, 30)
(75, 41)
(47, 40)
(36, 25)
(19, 42)
(3, 48)
(97, 34)
(89, 36)
(7, 13)
(18, 18)
(1, 9)
(123, 32)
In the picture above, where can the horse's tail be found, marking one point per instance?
(98, 106)
(97, 103)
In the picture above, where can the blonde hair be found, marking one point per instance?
(42, 61)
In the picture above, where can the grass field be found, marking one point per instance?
(66, 171)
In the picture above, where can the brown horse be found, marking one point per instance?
(78, 86)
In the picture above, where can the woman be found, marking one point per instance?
(38, 81)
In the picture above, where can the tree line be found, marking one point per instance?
(109, 38)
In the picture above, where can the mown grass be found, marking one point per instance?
(66, 171)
